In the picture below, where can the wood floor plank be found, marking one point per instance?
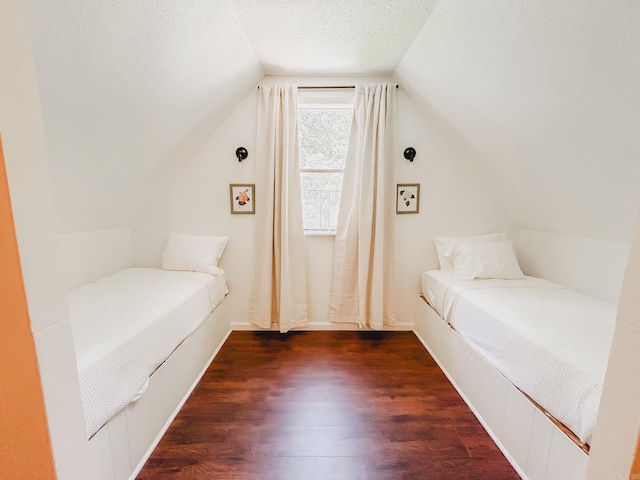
(325, 405)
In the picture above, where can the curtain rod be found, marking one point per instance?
(328, 87)
(309, 87)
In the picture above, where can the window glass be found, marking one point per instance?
(323, 136)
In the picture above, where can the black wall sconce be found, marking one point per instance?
(410, 153)
(241, 153)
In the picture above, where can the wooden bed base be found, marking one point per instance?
(537, 447)
(120, 448)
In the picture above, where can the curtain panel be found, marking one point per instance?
(362, 289)
(280, 291)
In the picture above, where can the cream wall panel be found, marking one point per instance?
(186, 368)
(119, 446)
(492, 398)
(58, 372)
(422, 319)
(456, 357)
(473, 367)
(447, 343)
(539, 447)
(100, 454)
(616, 431)
(140, 428)
(518, 425)
(430, 330)
(163, 394)
(463, 377)
(565, 461)
(440, 337)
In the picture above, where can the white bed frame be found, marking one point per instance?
(536, 447)
(120, 448)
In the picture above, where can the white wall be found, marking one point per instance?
(592, 266)
(543, 94)
(129, 91)
(86, 256)
(36, 229)
(452, 203)
(618, 424)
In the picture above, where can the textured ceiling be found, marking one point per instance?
(331, 36)
(542, 98)
(129, 89)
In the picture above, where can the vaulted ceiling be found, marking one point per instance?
(539, 96)
(130, 89)
(544, 98)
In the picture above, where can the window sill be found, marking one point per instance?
(319, 233)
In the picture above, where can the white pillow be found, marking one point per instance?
(444, 247)
(193, 253)
(485, 260)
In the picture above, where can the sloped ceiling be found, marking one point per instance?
(539, 96)
(129, 90)
(543, 97)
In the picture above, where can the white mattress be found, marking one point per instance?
(551, 342)
(125, 325)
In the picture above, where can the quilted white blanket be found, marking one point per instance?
(551, 342)
(125, 325)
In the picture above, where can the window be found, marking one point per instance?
(324, 125)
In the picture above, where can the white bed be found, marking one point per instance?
(550, 342)
(127, 324)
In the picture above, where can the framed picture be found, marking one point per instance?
(242, 197)
(408, 198)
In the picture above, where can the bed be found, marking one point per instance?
(127, 324)
(527, 356)
(552, 343)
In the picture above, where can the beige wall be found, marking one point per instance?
(35, 225)
(616, 432)
(452, 203)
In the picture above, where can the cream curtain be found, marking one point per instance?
(280, 291)
(363, 266)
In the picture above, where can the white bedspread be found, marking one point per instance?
(551, 342)
(125, 325)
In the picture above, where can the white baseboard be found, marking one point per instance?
(320, 326)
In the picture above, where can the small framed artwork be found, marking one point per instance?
(242, 197)
(408, 198)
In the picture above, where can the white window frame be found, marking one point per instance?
(324, 99)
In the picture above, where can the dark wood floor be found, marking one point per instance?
(325, 406)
